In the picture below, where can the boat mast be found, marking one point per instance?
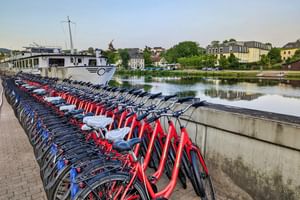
(70, 32)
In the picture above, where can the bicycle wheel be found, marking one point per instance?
(170, 165)
(202, 180)
(107, 187)
(61, 191)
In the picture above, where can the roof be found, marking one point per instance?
(248, 44)
(159, 48)
(134, 53)
(292, 45)
(155, 58)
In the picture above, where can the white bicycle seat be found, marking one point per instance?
(117, 134)
(86, 119)
(38, 91)
(85, 127)
(99, 123)
(50, 99)
(67, 108)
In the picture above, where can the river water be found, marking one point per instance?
(278, 96)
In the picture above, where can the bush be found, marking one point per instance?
(197, 62)
(277, 66)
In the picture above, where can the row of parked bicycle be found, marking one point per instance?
(98, 142)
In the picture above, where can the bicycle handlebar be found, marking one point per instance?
(185, 99)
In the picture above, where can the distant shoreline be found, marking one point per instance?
(200, 73)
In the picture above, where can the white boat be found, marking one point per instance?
(52, 62)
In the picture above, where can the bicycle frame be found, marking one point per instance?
(139, 172)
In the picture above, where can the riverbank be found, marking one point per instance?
(199, 73)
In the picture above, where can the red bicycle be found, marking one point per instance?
(135, 184)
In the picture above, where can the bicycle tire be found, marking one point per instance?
(203, 182)
(137, 186)
(170, 165)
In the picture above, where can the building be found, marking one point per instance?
(136, 59)
(246, 52)
(157, 51)
(292, 66)
(289, 50)
(159, 61)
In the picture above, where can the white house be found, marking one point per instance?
(136, 59)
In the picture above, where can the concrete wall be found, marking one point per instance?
(261, 155)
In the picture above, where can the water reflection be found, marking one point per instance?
(191, 93)
(231, 95)
(282, 96)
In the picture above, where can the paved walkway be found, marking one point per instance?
(19, 172)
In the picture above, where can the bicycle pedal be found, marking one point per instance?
(152, 178)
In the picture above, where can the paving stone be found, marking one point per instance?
(19, 171)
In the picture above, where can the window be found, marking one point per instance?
(56, 62)
(79, 60)
(289, 52)
(26, 63)
(284, 52)
(92, 62)
(71, 59)
(30, 63)
(36, 61)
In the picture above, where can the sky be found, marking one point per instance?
(136, 23)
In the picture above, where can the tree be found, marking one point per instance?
(147, 56)
(215, 43)
(183, 49)
(2, 55)
(223, 62)
(112, 57)
(296, 56)
(91, 50)
(265, 61)
(233, 61)
(269, 44)
(274, 55)
(124, 55)
(199, 61)
(225, 41)
(232, 40)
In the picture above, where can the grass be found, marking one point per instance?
(199, 73)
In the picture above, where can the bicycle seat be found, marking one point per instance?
(67, 107)
(39, 91)
(85, 127)
(117, 134)
(122, 145)
(50, 99)
(99, 123)
(96, 117)
(81, 116)
(75, 112)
